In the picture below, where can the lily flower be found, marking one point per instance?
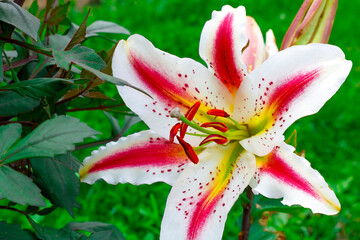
(237, 108)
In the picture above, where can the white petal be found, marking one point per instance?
(170, 81)
(141, 158)
(283, 174)
(200, 200)
(222, 39)
(292, 84)
(254, 54)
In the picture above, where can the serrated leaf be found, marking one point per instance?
(79, 55)
(79, 35)
(53, 137)
(13, 231)
(57, 182)
(8, 136)
(105, 27)
(18, 188)
(96, 227)
(38, 87)
(12, 103)
(17, 16)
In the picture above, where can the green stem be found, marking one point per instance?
(12, 70)
(44, 51)
(13, 209)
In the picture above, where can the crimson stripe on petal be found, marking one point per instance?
(283, 95)
(200, 200)
(169, 92)
(278, 169)
(157, 152)
(224, 60)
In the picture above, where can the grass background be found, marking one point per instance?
(331, 137)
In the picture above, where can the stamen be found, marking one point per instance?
(189, 115)
(214, 138)
(174, 131)
(217, 125)
(218, 113)
(189, 151)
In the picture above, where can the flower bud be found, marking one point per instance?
(312, 23)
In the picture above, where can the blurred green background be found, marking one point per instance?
(331, 137)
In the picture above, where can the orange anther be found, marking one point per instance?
(174, 131)
(189, 116)
(217, 125)
(214, 138)
(189, 151)
(218, 113)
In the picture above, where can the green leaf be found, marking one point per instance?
(105, 27)
(107, 56)
(58, 42)
(266, 204)
(34, 8)
(49, 233)
(18, 188)
(108, 78)
(8, 136)
(12, 103)
(69, 161)
(17, 16)
(14, 232)
(259, 232)
(58, 14)
(103, 235)
(96, 227)
(38, 49)
(79, 35)
(79, 55)
(22, 53)
(38, 87)
(46, 211)
(57, 182)
(53, 137)
(115, 127)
